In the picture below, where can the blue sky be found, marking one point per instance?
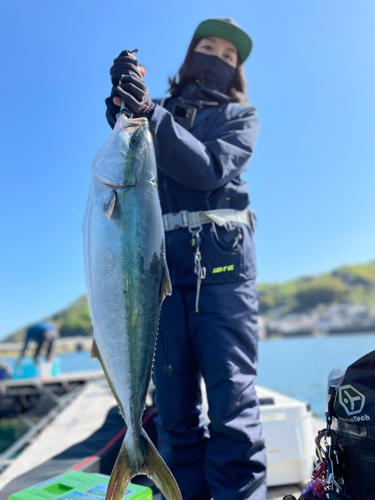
(311, 76)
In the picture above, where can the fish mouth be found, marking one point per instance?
(131, 124)
(109, 177)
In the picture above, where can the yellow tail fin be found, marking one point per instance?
(153, 466)
(157, 470)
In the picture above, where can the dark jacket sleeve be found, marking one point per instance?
(209, 165)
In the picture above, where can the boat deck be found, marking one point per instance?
(38, 395)
(79, 419)
(63, 378)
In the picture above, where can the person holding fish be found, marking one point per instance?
(204, 134)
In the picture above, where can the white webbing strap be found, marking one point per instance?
(219, 217)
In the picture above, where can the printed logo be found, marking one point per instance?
(362, 418)
(223, 269)
(351, 399)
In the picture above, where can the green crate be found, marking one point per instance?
(76, 485)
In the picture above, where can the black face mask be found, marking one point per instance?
(215, 73)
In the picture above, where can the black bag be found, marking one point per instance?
(353, 420)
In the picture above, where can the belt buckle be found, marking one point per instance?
(174, 221)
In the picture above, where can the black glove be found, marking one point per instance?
(124, 64)
(128, 84)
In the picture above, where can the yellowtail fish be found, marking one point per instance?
(127, 279)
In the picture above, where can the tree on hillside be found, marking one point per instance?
(324, 290)
(75, 320)
(276, 295)
(361, 274)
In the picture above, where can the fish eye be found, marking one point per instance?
(134, 141)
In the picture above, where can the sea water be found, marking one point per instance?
(298, 367)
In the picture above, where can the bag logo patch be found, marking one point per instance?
(351, 399)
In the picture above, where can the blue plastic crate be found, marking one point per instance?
(28, 369)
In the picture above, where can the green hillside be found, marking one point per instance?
(345, 284)
(74, 320)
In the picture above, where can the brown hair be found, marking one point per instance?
(188, 74)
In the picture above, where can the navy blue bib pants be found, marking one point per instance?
(225, 460)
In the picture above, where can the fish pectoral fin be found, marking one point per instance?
(166, 285)
(109, 204)
(157, 470)
(120, 477)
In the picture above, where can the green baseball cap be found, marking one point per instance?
(226, 28)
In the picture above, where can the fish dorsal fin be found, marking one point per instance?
(166, 285)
